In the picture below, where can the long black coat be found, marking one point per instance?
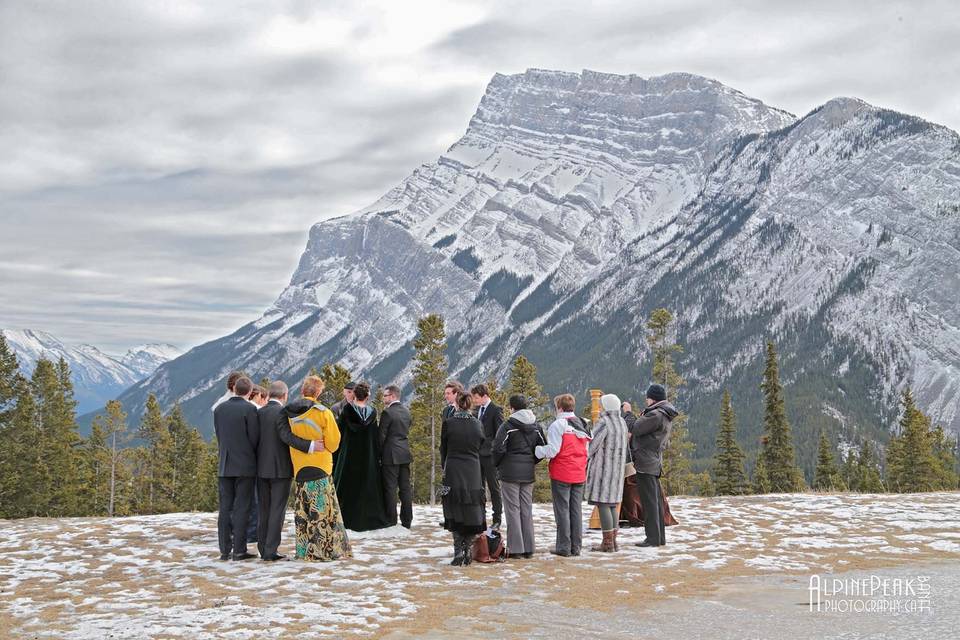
(356, 473)
(237, 427)
(394, 427)
(461, 437)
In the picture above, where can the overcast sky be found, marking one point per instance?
(162, 161)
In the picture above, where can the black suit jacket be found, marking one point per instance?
(273, 455)
(394, 428)
(237, 427)
(491, 421)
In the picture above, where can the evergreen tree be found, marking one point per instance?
(827, 476)
(677, 475)
(728, 465)
(59, 440)
(911, 459)
(779, 458)
(945, 456)
(761, 482)
(187, 451)
(497, 395)
(9, 374)
(868, 478)
(378, 400)
(153, 461)
(25, 485)
(335, 378)
(10, 382)
(207, 483)
(113, 426)
(429, 376)
(96, 464)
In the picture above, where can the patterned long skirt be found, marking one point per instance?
(321, 535)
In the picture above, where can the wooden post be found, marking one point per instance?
(595, 404)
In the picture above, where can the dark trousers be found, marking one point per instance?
(254, 516)
(652, 501)
(273, 494)
(235, 495)
(568, 514)
(396, 478)
(492, 480)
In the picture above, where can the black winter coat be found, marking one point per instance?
(513, 448)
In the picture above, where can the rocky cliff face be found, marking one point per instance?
(576, 203)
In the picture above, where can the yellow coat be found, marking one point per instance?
(317, 423)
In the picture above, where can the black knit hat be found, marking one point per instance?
(656, 393)
(350, 386)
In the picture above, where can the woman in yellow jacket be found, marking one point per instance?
(321, 535)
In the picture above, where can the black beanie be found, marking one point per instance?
(656, 393)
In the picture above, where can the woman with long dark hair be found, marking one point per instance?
(463, 495)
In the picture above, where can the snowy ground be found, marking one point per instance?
(160, 577)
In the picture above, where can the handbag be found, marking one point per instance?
(629, 470)
(489, 547)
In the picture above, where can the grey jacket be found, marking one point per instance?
(649, 436)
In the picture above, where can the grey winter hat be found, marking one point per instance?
(656, 393)
(610, 402)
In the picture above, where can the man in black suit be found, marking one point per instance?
(274, 471)
(491, 417)
(395, 456)
(238, 434)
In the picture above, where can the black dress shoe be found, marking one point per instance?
(646, 543)
(527, 554)
(575, 553)
(224, 556)
(562, 554)
(275, 557)
(243, 556)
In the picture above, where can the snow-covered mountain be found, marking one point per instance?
(576, 203)
(97, 377)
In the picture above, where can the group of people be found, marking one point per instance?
(345, 455)
(481, 452)
(351, 467)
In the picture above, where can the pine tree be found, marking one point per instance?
(677, 475)
(728, 465)
(96, 464)
(335, 378)
(10, 382)
(186, 451)
(207, 483)
(113, 426)
(827, 476)
(497, 395)
(911, 458)
(868, 478)
(153, 461)
(26, 475)
(429, 376)
(779, 458)
(761, 483)
(378, 400)
(59, 440)
(945, 456)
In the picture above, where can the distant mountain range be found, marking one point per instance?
(576, 203)
(97, 377)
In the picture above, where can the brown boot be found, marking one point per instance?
(616, 547)
(607, 545)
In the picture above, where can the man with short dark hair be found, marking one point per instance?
(490, 416)
(237, 427)
(231, 381)
(395, 457)
(450, 391)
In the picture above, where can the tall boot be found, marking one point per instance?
(468, 549)
(457, 550)
(616, 545)
(607, 545)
